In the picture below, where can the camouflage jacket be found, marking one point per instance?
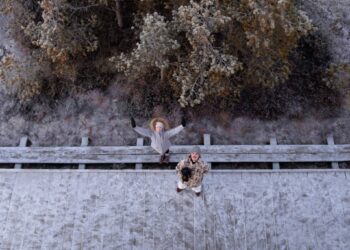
(199, 168)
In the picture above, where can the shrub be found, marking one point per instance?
(206, 44)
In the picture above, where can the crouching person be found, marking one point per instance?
(191, 172)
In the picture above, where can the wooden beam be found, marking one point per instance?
(139, 143)
(22, 143)
(183, 149)
(145, 154)
(84, 143)
(275, 165)
(207, 142)
(330, 141)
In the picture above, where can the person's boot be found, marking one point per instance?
(178, 190)
(161, 159)
(198, 194)
(166, 158)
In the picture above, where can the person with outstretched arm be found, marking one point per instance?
(160, 135)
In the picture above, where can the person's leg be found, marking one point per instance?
(166, 157)
(197, 190)
(180, 186)
(161, 159)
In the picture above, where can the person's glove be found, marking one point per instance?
(133, 123)
(183, 121)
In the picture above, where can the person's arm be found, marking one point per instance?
(205, 168)
(174, 131)
(178, 168)
(143, 131)
(139, 130)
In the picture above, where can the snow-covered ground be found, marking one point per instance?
(333, 19)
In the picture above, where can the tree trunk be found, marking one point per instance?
(118, 12)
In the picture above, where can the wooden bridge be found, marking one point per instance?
(139, 209)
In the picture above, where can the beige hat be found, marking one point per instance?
(154, 121)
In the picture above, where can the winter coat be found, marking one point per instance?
(199, 168)
(159, 140)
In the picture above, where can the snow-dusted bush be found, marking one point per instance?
(272, 29)
(156, 44)
(194, 66)
(201, 46)
(20, 78)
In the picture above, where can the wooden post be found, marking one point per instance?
(24, 142)
(275, 165)
(207, 142)
(139, 143)
(84, 143)
(330, 141)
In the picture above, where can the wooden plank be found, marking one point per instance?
(210, 213)
(284, 199)
(207, 142)
(85, 234)
(338, 195)
(36, 211)
(93, 236)
(112, 229)
(214, 153)
(7, 189)
(133, 216)
(17, 214)
(269, 210)
(163, 235)
(251, 158)
(199, 222)
(223, 238)
(179, 213)
(94, 151)
(275, 165)
(315, 226)
(254, 202)
(150, 207)
(235, 212)
(330, 141)
(139, 143)
(23, 143)
(84, 143)
(188, 213)
(169, 198)
(59, 222)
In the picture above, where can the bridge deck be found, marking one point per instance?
(92, 209)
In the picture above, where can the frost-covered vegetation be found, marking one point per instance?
(253, 54)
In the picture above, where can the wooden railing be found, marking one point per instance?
(139, 154)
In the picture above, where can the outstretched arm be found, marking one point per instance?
(143, 131)
(139, 130)
(174, 131)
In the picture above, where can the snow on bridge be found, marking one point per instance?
(139, 209)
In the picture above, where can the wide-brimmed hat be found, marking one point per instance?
(153, 122)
